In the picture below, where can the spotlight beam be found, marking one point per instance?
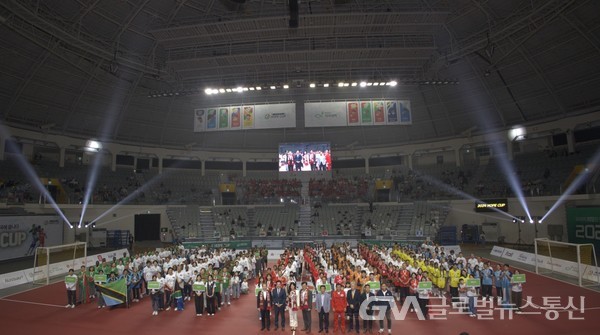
(132, 195)
(34, 179)
(592, 164)
(460, 193)
(90, 185)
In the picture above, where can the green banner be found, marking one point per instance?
(100, 278)
(257, 291)
(70, 280)
(518, 279)
(583, 226)
(473, 282)
(327, 287)
(230, 245)
(153, 285)
(198, 287)
(374, 285)
(425, 285)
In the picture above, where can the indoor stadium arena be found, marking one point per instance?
(299, 167)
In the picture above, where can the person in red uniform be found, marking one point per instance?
(338, 304)
(404, 282)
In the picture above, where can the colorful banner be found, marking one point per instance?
(223, 118)
(379, 112)
(357, 113)
(259, 116)
(199, 120)
(21, 235)
(392, 112)
(353, 117)
(325, 114)
(114, 293)
(583, 226)
(248, 117)
(211, 119)
(236, 117)
(366, 113)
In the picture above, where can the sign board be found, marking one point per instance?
(100, 278)
(491, 205)
(198, 287)
(70, 280)
(153, 285)
(473, 282)
(257, 116)
(21, 235)
(518, 279)
(374, 285)
(425, 285)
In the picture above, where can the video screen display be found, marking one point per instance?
(296, 157)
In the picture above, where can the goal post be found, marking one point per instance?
(570, 259)
(55, 261)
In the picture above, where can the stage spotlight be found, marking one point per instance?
(92, 146)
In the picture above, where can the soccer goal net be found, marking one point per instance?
(56, 261)
(570, 259)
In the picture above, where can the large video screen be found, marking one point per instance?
(296, 157)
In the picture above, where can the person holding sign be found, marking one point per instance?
(100, 278)
(338, 304)
(154, 287)
(71, 285)
(471, 286)
(424, 291)
(385, 298)
(323, 304)
(263, 304)
(517, 291)
(199, 287)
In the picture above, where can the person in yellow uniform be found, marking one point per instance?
(454, 275)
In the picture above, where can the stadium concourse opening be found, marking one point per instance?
(423, 166)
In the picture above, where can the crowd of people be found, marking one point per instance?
(256, 190)
(305, 282)
(340, 189)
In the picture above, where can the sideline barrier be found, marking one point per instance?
(569, 268)
(26, 276)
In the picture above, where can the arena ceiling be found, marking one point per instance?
(89, 68)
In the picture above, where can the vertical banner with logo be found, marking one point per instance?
(211, 119)
(379, 112)
(235, 113)
(353, 116)
(405, 112)
(199, 120)
(392, 112)
(223, 118)
(366, 113)
(248, 117)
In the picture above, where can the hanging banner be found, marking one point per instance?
(199, 120)
(235, 113)
(357, 113)
(379, 112)
(259, 116)
(366, 113)
(353, 117)
(405, 112)
(275, 116)
(325, 114)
